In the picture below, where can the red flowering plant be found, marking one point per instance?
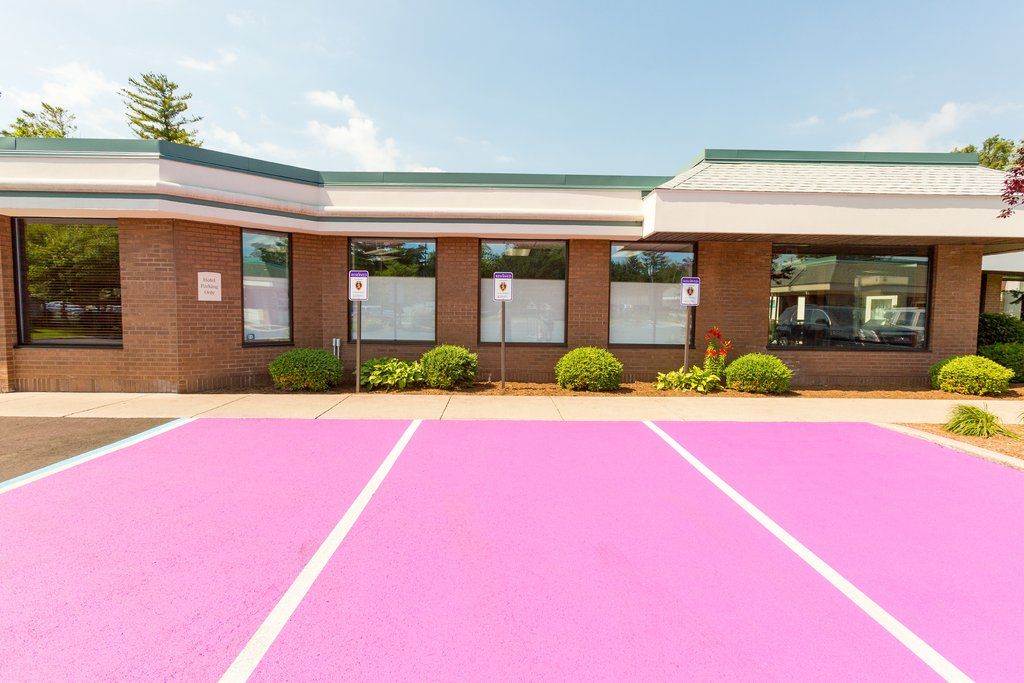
(715, 354)
(1013, 185)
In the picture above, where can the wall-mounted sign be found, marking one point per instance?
(503, 286)
(209, 286)
(689, 291)
(358, 285)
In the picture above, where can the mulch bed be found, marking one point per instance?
(999, 444)
(647, 389)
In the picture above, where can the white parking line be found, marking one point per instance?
(251, 655)
(56, 467)
(925, 652)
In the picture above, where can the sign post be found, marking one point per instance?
(503, 294)
(689, 297)
(358, 291)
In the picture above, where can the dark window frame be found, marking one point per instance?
(349, 307)
(626, 345)
(871, 250)
(21, 295)
(479, 294)
(255, 343)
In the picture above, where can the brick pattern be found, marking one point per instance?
(173, 342)
(990, 293)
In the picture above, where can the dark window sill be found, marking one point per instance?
(844, 349)
(257, 344)
(554, 345)
(70, 345)
(396, 342)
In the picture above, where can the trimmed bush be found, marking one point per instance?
(305, 370)
(589, 368)
(448, 367)
(390, 373)
(974, 375)
(758, 373)
(968, 420)
(933, 371)
(999, 328)
(1008, 355)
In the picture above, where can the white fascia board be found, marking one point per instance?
(667, 210)
(153, 175)
(113, 208)
(1012, 262)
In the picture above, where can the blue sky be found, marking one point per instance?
(598, 87)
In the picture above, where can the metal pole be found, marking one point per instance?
(359, 341)
(686, 341)
(503, 346)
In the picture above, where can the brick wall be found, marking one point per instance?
(173, 342)
(991, 289)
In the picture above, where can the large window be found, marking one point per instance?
(644, 299)
(857, 299)
(266, 287)
(402, 299)
(537, 312)
(70, 282)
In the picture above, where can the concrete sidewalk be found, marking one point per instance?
(470, 407)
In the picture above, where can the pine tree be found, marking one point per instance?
(49, 122)
(156, 111)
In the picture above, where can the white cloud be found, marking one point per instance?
(84, 91)
(808, 122)
(241, 19)
(227, 58)
(328, 99)
(936, 132)
(358, 137)
(224, 140)
(857, 114)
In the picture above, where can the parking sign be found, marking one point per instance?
(503, 286)
(358, 285)
(689, 291)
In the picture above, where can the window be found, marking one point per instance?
(537, 312)
(266, 287)
(69, 275)
(1011, 296)
(858, 299)
(402, 289)
(644, 299)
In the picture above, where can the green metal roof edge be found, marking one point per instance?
(817, 157)
(235, 162)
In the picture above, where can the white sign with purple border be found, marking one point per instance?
(503, 286)
(689, 291)
(358, 285)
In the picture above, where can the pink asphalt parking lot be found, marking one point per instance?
(513, 550)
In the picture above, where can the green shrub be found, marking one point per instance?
(305, 370)
(589, 368)
(974, 375)
(390, 373)
(933, 371)
(999, 328)
(758, 373)
(701, 380)
(448, 367)
(968, 420)
(1008, 355)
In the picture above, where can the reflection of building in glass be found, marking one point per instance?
(854, 300)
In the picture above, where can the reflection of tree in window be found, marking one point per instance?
(73, 278)
(394, 259)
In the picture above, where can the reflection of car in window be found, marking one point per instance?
(899, 327)
(821, 326)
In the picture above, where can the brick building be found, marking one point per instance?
(855, 268)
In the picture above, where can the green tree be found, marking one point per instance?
(157, 111)
(49, 122)
(996, 152)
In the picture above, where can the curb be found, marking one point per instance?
(977, 451)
